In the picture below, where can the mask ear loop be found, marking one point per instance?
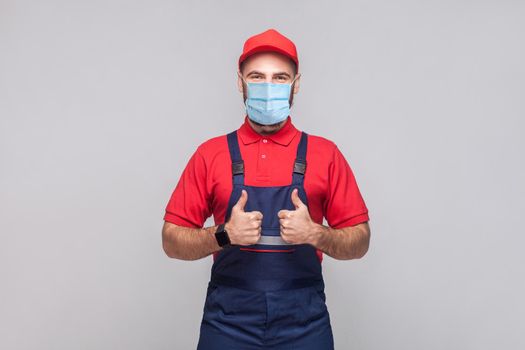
(294, 79)
(245, 84)
(292, 87)
(242, 78)
(293, 82)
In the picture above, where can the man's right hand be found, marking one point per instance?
(244, 228)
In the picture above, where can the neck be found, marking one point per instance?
(266, 129)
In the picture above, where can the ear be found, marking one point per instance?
(239, 82)
(297, 83)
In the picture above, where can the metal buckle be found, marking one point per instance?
(299, 167)
(238, 168)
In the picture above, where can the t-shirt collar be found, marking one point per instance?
(283, 136)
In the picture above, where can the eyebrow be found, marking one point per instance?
(274, 74)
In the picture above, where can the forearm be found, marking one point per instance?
(187, 243)
(343, 244)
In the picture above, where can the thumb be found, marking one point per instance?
(295, 199)
(242, 200)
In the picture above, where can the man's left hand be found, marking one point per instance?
(297, 227)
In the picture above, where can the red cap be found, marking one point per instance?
(270, 40)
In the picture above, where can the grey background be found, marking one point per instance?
(103, 102)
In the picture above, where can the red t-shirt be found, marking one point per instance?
(205, 185)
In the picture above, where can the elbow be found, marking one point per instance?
(365, 243)
(169, 244)
(362, 252)
(170, 249)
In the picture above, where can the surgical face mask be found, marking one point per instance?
(268, 103)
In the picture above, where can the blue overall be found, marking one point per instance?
(269, 295)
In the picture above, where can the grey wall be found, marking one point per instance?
(103, 102)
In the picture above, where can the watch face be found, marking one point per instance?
(222, 236)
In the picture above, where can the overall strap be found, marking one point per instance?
(235, 155)
(299, 167)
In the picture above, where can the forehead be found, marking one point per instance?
(268, 62)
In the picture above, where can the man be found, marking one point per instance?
(268, 186)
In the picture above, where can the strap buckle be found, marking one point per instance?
(299, 166)
(238, 167)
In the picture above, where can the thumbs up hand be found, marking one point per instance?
(297, 227)
(244, 227)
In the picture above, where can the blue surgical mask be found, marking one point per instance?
(268, 103)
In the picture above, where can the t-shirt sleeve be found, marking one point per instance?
(344, 205)
(189, 204)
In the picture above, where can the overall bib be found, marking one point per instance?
(269, 295)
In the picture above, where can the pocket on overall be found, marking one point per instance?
(319, 293)
(317, 303)
(211, 292)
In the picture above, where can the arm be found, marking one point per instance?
(188, 243)
(346, 210)
(348, 233)
(344, 243)
(182, 234)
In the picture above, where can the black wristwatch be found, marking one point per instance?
(222, 236)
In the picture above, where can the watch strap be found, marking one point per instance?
(222, 236)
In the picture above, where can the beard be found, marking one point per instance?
(268, 127)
